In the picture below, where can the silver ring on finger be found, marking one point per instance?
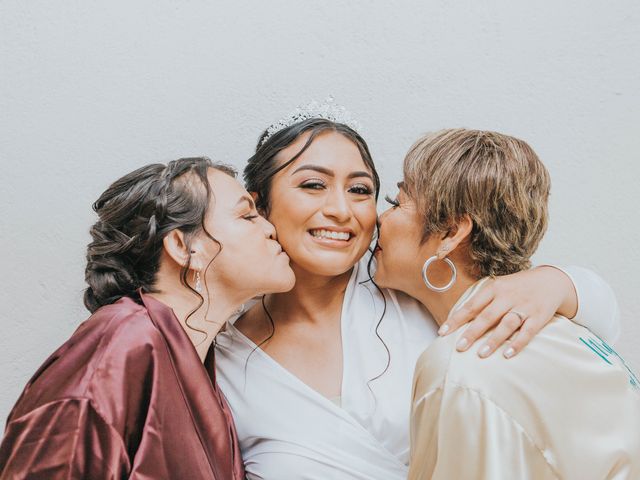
(520, 315)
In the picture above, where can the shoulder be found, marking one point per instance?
(113, 316)
(432, 366)
(125, 322)
(115, 347)
(118, 335)
(443, 362)
(554, 354)
(442, 366)
(127, 341)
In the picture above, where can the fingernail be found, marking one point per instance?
(484, 351)
(508, 353)
(443, 329)
(462, 344)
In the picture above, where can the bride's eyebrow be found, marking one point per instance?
(331, 173)
(315, 168)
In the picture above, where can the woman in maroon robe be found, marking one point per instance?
(132, 394)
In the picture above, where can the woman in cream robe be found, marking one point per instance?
(567, 406)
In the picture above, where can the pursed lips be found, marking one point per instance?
(279, 249)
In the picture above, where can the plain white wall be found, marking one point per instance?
(91, 90)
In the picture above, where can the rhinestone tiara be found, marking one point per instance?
(327, 110)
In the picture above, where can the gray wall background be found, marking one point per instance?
(91, 90)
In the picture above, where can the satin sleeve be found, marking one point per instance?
(597, 304)
(457, 433)
(66, 439)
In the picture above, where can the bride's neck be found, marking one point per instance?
(314, 298)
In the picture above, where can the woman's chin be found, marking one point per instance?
(289, 282)
(283, 282)
(383, 277)
(380, 278)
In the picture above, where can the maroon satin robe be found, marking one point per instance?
(125, 397)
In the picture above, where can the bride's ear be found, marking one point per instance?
(460, 231)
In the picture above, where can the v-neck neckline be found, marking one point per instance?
(298, 384)
(347, 411)
(294, 378)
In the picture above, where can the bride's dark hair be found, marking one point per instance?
(135, 213)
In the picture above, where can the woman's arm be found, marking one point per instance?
(524, 302)
(596, 304)
(66, 439)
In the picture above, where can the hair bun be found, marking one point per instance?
(109, 271)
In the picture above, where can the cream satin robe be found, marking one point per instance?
(566, 407)
(289, 431)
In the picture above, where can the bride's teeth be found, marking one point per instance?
(332, 235)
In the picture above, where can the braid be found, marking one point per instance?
(135, 213)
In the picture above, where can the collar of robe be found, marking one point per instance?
(198, 384)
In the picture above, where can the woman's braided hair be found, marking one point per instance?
(135, 213)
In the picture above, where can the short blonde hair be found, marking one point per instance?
(497, 180)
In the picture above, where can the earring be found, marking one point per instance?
(430, 285)
(196, 277)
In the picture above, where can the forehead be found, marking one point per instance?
(329, 149)
(226, 189)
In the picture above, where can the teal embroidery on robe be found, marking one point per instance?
(606, 353)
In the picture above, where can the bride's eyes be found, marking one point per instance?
(361, 189)
(313, 184)
(394, 203)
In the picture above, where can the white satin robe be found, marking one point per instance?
(289, 431)
(566, 407)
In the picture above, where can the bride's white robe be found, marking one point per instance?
(289, 431)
